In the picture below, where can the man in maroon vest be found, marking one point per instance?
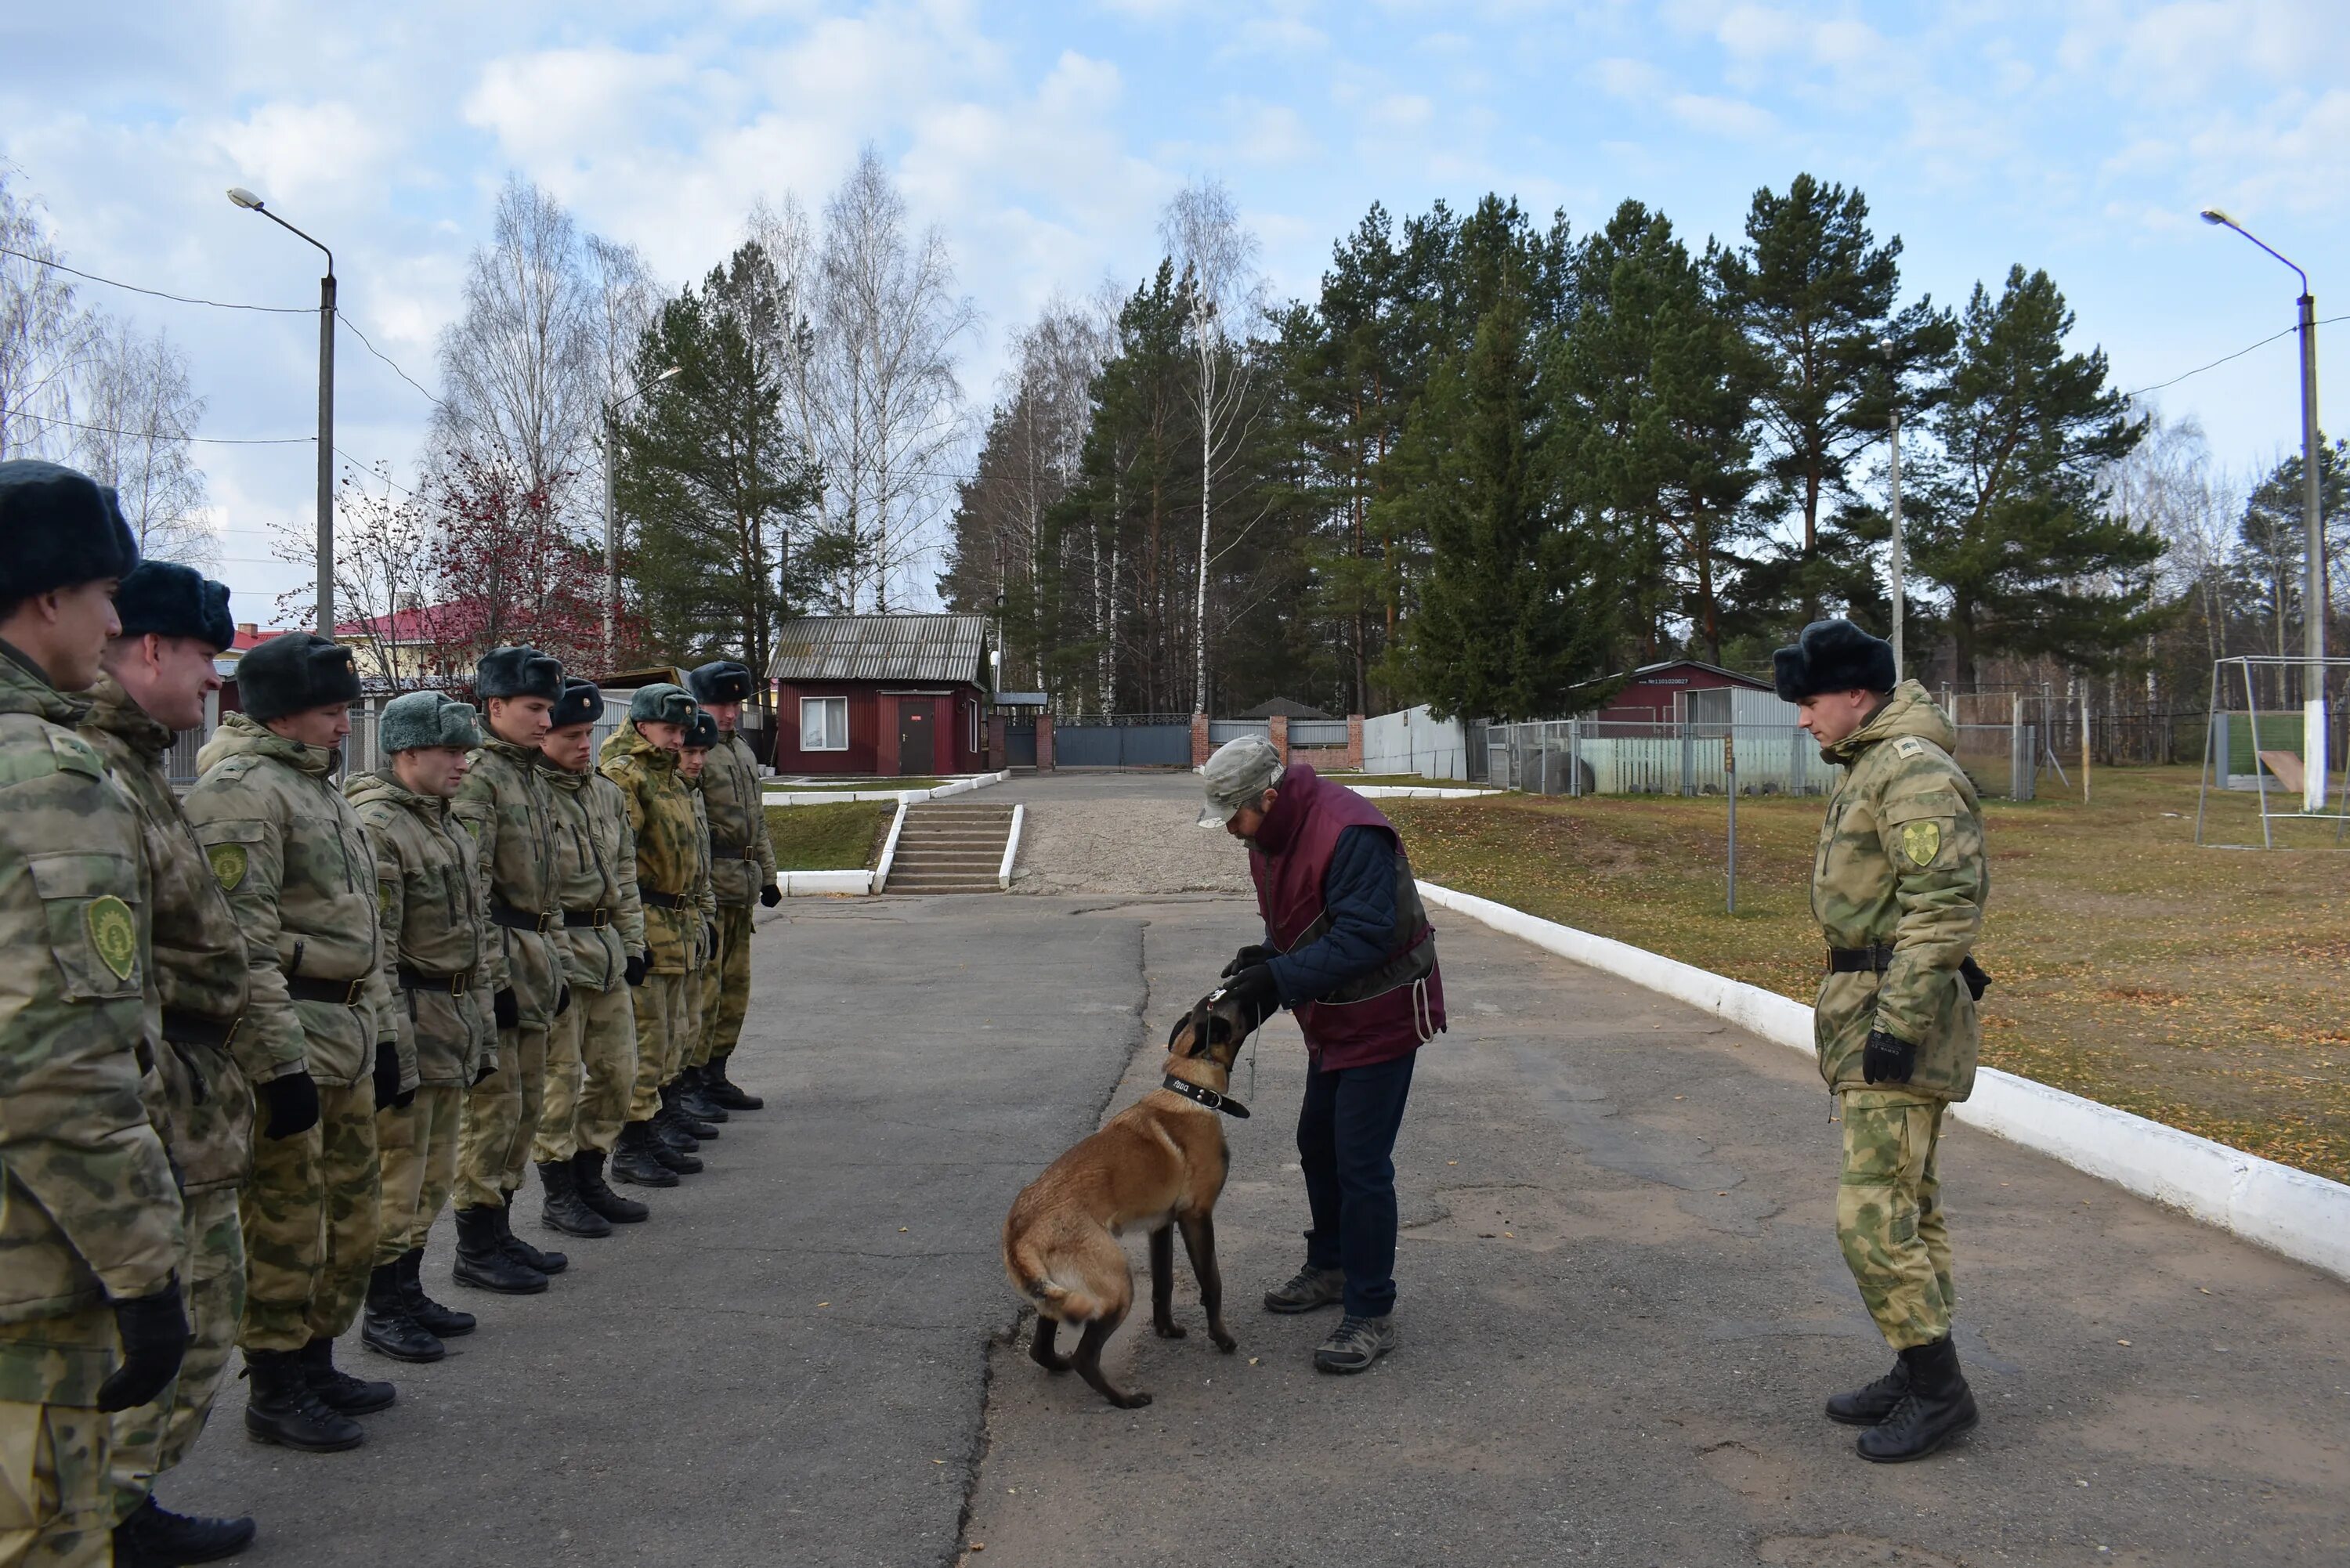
(1348, 948)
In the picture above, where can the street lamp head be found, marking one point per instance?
(245, 198)
(2213, 215)
(673, 370)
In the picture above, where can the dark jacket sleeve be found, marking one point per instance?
(1359, 892)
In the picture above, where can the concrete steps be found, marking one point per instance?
(949, 846)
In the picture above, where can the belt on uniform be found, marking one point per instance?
(515, 919)
(723, 850)
(594, 919)
(1874, 958)
(417, 980)
(337, 992)
(660, 900)
(194, 1029)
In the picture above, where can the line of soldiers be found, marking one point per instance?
(252, 1041)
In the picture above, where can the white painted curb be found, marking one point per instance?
(889, 849)
(833, 796)
(2305, 1217)
(1012, 845)
(1415, 792)
(814, 884)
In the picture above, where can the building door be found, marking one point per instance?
(917, 748)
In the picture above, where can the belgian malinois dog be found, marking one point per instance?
(1159, 1163)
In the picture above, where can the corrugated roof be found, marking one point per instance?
(945, 647)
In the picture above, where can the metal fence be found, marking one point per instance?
(1585, 756)
(1122, 746)
(1317, 732)
(1220, 731)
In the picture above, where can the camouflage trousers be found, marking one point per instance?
(662, 1022)
(55, 1495)
(1889, 1218)
(310, 1214)
(418, 1148)
(500, 1118)
(591, 1070)
(693, 1046)
(726, 985)
(155, 1438)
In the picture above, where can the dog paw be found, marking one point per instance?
(1132, 1402)
(1168, 1330)
(1227, 1344)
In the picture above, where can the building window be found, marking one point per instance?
(824, 724)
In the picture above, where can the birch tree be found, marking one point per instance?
(137, 414)
(44, 331)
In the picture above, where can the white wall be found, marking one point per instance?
(1415, 742)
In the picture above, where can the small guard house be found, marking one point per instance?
(881, 695)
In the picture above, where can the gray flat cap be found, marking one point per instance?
(1238, 776)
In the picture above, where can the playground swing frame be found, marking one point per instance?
(2244, 665)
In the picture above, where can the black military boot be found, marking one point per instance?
(1938, 1407)
(153, 1533)
(672, 1146)
(723, 1091)
(441, 1322)
(522, 1252)
(696, 1131)
(481, 1257)
(282, 1408)
(1866, 1406)
(635, 1158)
(386, 1327)
(566, 1210)
(587, 1178)
(694, 1096)
(337, 1389)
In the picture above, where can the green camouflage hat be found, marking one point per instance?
(1238, 776)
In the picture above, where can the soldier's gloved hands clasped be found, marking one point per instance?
(1247, 958)
(387, 1076)
(1888, 1059)
(292, 1102)
(770, 895)
(507, 1008)
(154, 1333)
(634, 971)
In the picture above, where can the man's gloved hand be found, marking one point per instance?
(388, 1096)
(712, 929)
(1254, 989)
(154, 1333)
(292, 1102)
(563, 999)
(488, 1068)
(770, 895)
(507, 1008)
(633, 971)
(1888, 1059)
(1248, 958)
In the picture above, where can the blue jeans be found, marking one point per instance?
(1346, 1140)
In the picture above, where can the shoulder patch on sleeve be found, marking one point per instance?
(76, 755)
(229, 864)
(1909, 746)
(1921, 841)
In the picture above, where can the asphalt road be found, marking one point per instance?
(1621, 1304)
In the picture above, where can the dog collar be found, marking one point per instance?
(1208, 1097)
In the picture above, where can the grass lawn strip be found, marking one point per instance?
(2203, 988)
(843, 837)
(843, 786)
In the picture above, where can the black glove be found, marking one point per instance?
(1254, 989)
(507, 1008)
(488, 1068)
(634, 972)
(713, 927)
(292, 1102)
(1247, 958)
(154, 1332)
(770, 895)
(563, 999)
(387, 1076)
(1888, 1059)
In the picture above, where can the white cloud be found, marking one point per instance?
(1636, 80)
(1724, 116)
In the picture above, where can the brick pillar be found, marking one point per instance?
(998, 747)
(1200, 747)
(1045, 742)
(1279, 725)
(1355, 743)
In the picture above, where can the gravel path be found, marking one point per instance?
(1132, 845)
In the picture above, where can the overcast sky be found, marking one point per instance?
(2081, 138)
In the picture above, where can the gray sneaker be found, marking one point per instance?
(1358, 1342)
(1312, 1288)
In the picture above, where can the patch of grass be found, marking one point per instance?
(844, 787)
(2203, 988)
(842, 837)
(1412, 780)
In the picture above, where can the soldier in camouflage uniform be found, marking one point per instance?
(642, 758)
(317, 1036)
(429, 894)
(90, 1231)
(1898, 890)
(744, 867)
(689, 1113)
(505, 804)
(158, 671)
(592, 1056)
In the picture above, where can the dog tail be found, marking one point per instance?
(1030, 1279)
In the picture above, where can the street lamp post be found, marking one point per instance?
(612, 513)
(2312, 630)
(251, 202)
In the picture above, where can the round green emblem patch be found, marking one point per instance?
(113, 934)
(1921, 841)
(228, 863)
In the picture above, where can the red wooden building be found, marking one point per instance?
(894, 695)
(1652, 693)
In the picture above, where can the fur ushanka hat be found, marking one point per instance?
(58, 528)
(171, 600)
(1831, 656)
(518, 673)
(720, 680)
(581, 703)
(701, 733)
(295, 673)
(662, 702)
(427, 718)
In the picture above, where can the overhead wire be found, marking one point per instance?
(152, 435)
(2239, 354)
(156, 292)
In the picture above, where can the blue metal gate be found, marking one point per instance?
(1122, 746)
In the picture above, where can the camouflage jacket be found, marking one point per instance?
(596, 869)
(505, 804)
(300, 877)
(89, 1209)
(742, 859)
(429, 897)
(671, 845)
(197, 986)
(705, 884)
(1901, 863)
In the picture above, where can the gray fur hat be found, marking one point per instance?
(295, 673)
(720, 680)
(171, 600)
(581, 703)
(518, 673)
(424, 719)
(1831, 656)
(662, 702)
(58, 528)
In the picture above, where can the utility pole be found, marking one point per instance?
(325, 611)
(1894, 433)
